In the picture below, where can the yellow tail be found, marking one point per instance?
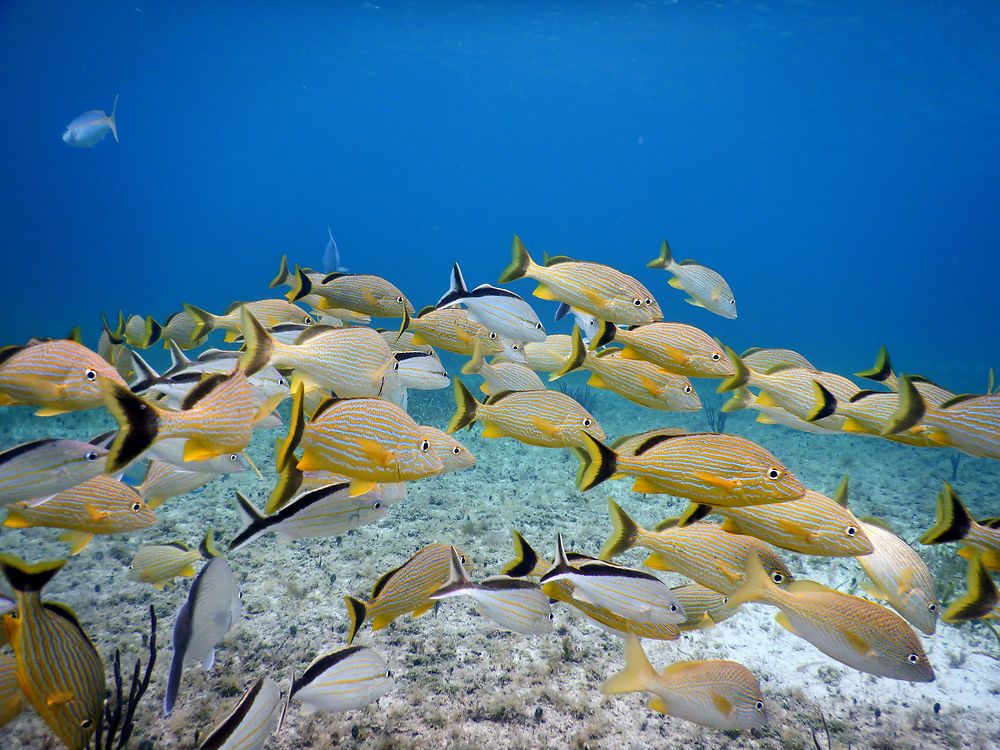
(638, 673)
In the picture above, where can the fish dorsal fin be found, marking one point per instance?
(555, 260)
(957, 400)
(990, 523)
(490, 400)
(178, 544)
(384, 579)
(208, 383)
(865, 394)
(324, 406)
(807, 586)
(877, 523)
(335, 275)
(424, 310)
(839, 495)
(751, 350)
(608, 351)
(668, 523)
(9, 351)
(654, 441)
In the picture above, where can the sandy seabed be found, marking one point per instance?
(461, 683)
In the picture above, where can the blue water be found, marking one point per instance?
(837, 162)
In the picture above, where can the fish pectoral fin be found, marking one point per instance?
(377, 453)
(905, 582)
(15, 520)
(647, 486)
(794, 529)
(187, 572)
(730, 573)
(678, 356)
(656, 561)
(361, 486)
(59, 698)
(728, 524)
(714, 481)
(782, 619)
(596, 300)
(676, 283)
(309, 462)
(859, 644)
(77, 541)
(418, 340)
(766, 401)
(198, 449)
(492, 431)
(50, 411)
(722, 704)
(852, 425)
(693, 302)
(544, 426)
(94, 514)
(543, 292)
(656, 703)
(649, 385)
(872, 590)
(596, 381)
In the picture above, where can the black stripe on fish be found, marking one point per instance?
(320, 665)
(225, 730)
(20, 450)
(206, 385)
(259, 523)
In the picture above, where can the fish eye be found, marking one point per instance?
(91, 375)
(281, 381)
(456, 450)
(551, 616)
(778, 577)
(773, 474)
(913, 658)
(515, 347)
(716, 356)
(388, 673)
(86, 724)
(492, 336)
(91, 456)
(461, 559)
(725, 600)
(399, 300)
(586, 422)
(759, 705)
(232, 456)
(648, 301)
(733, 302)
(687, 389)
(851, 531)
(131, 567)
(637, 302)
(932, 607)
(307, 320)
(395, 367)
(673, 607)
(377, 505)
(538, 327)
(136, 507)
(424, 446)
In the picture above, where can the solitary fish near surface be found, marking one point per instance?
(91, 127)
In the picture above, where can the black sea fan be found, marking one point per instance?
(119, 711)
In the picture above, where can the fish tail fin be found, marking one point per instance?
(525, 559)
(207, 548)
(597, 463)
(151, 334)
(465, 407)
(693, 513)
(173, 681)
(25, 578)
(404, 323)
(111, 119)
(283, 275)
(741, 399)
(284, 454)
(476, 361)
(520, 262)
(909, 412)
(204, 321)
(562, 311)
(742, 376)
(289, 482)
(624, 532)
(953, 521)
(825, 403)
(757, 584)
(138, 421)
(114, 334)
(664, 260)
(145, 375)
(881, 371)
(576, 358)
(638, 673)
(981, 598)
(606, 332)
(252, 521)
(300, 286)
(357, 612)
(259, 344)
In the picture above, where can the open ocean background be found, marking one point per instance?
(838, 162)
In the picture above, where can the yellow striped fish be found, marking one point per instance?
(450, 329)
(269, 312)
(180, 328)
(343, 680)
(592, 287)
(159, 564)
(217, 418)
(981, 599)
(703, 607)
(544, 356)
(452, 454)
(638, 381)
(677, 347)
(56, 376)
(702, 552)
(970, 424)
(705, 288)
(362, 293)
(351, 362)
(33, 472)
(812, 525)
(854, 631)
(501, 375)
(872, 412)
(142, 332)
(742, 398)
(900, 577)
(252, 722)
(164, 481)
(526, 562)
(763, 359)
(12, 701)
(954, 523)
(706, 467)
(404, 590)
(58, 668)
(882, 372)
(101, 506)
(794, 389)
(403, 341)
(550, 419)
(717, 694)
(366, 439)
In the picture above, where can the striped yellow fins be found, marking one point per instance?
(216, 418)
(711, 468)
(638, 381)
(164, 481)
(811, 525)
(876, 413)
(404, 590)
(57, 666)
(981, 599)
(854, 631)
(351, 362)
(702, 552)
(717, 694)
(55, 376)
(705, 287)
(550, 419)
(703, 607)
(103, 505)
(270, 312)
(359, 292)
(591, 287)
(677, 347)
(501, 375)
(527, 563)
(954, 523)
(252, 722)
(343, 680)
(159, 564)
